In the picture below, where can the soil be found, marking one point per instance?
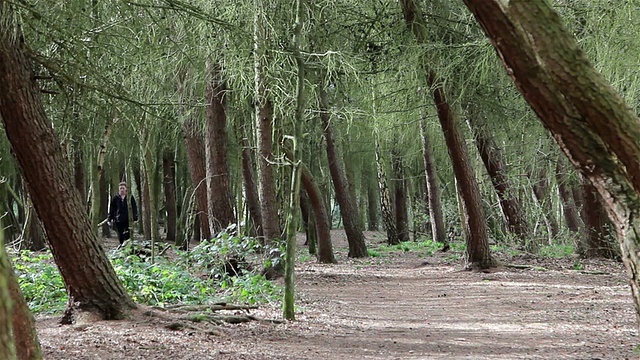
(400, 305)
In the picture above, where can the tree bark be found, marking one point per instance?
(400, 199)
(169, 171)
(588, 119)
(436, 215)
(372, 200)
(348, 209)
(90, 281)
(541, 192)
(597, 224)
(264, 128)
(498, 173)
(24, 326)
(478, 254)
(323, 230)
(221, 212)
(569, 207)
(7, 343)
(250, 186)
(79, 173)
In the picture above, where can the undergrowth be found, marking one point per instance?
(195, 277)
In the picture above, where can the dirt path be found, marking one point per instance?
(398, 307)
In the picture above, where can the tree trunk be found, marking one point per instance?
(104, 201)
(541, 192)
(569, 207)
(194, 146)
(478, 254)
(7, 343)
(372, 201)
(169, 171)
(250, 186)
(588, 119)
(400, 199)
(348, 209)
(218, 179)
(25, 336)
(264, 129)
(79, 173)
(433, 189)
(498, 173)
(145, 194)
(91, 282)
(597, 224)
(323, 230)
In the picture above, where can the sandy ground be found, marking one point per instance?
(402, 305)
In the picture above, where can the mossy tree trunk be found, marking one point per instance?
(585, 115)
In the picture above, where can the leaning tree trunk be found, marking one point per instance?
(321, 217)
(169, 172)
(400, 198)
(264, 129)
(218, 178)
(478, 254)
(436, 214)
(92, 284)
(586, 116)
(348, 207)
(496, 167)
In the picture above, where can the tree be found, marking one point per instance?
(433, 190)
(478, 253)
(348, 206)
(493, 160)
(587, 118)
(7, 343)
(90, 281)
(218, 178)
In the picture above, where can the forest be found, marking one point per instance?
(301, 179)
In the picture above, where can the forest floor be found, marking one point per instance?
(398, 305)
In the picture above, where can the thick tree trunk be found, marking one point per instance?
(221, 212)
(91, 282)
(250, 186)
(79, 173)
(588, 119)
(433, 190)
(498, 173)
(348, 209)
(478, 254)
(195, 158)
(169, 172)
(400, 199)
(264, 128)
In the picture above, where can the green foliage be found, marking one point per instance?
(373, 253)
(197, 277)
(40, 282)
(557, 251)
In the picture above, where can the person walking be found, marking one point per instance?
(119, 212)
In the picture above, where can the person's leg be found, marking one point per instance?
(120, 228)
(126, 231)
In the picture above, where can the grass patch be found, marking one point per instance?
(557, 251)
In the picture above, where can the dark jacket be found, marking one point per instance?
(119, 212)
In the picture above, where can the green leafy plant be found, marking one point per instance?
(40, 282)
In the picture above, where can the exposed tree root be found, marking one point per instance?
(518, 266)
(202, 318)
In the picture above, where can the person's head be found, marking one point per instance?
(123, 189)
